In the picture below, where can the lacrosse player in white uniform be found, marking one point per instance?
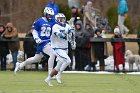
(42, 30)
(61, 35)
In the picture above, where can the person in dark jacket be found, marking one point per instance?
(3, 49)
(29, 44)
(79, 35)
(138, 36)
(88, 33)
(11, 33)
(82, 52)
(99, 50)
(118, 51)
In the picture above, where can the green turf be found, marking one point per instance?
(33, 82)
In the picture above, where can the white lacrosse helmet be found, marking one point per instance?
(60, 18)
(48, 13)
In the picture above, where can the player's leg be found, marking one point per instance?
(53, 72)
(36, 58)
(49, 51)
(121, 24)
(61, 58)
(63, 67)
(65, 59)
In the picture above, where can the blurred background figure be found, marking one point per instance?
(118, 51)
(99, 50)
(11, 33)
(82, 52)
(104, 25)
(29, 46)
(122, 15)
(79, 36)
(4, 50)
(138, 36)
(90, 14)
(74, 3)
(54, 6)
(75, 14)
(88, 33)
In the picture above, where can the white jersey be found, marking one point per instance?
(56, 41)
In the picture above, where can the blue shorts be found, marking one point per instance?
(40, 47)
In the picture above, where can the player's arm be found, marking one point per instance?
(36, 37)
(58, 33)
(35, 28)
(71, 38)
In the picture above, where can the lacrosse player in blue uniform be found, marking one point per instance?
(42, 30)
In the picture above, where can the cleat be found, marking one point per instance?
(58, 79)
(17, 68)
(48, 82)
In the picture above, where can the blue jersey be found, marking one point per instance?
(44, 30)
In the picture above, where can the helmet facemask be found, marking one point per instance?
(49, 17)
(60, 19)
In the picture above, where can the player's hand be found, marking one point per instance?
(63, 36)
(39, 41)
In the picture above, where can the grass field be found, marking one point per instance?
(33, 82)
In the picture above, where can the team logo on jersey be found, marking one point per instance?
(46, 25)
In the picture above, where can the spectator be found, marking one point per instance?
(104, 25)
(138, 36)
(75, 17)
(82, 52)
(75, 14)
(90, 14)
(79, 35)
(54, 6)
(29, 44)
(122, 15)
(99, 50)
(88, 33)
(3, 49)
(118, 50)
(11, 33)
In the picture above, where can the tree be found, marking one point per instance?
(66, 10)
(112, 16)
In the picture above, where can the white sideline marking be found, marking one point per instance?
(101, 72)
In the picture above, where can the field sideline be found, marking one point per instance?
(33, 82)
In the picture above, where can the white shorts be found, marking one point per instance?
(62, 55)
